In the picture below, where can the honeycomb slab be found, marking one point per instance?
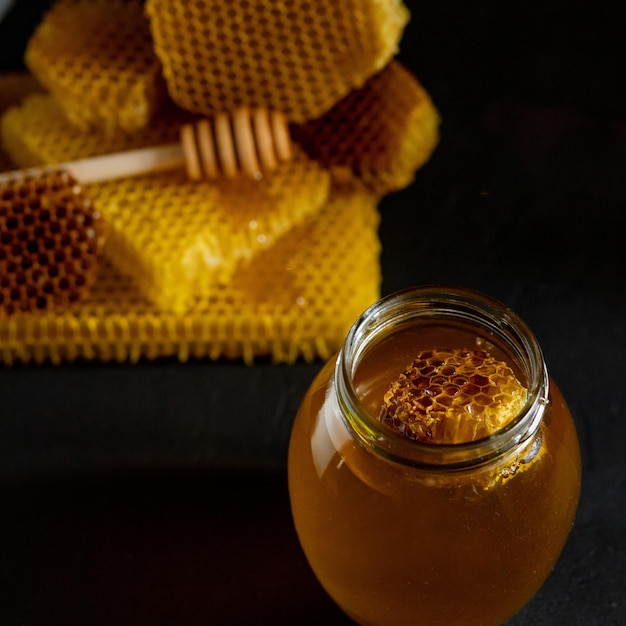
(36, 132)
(296, 302)
(178, 238)
(298, 57)
(51, 238)
(97, 58)
(382, 133)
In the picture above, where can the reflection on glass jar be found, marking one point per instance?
(406, 530)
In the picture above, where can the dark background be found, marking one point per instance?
(156, 493)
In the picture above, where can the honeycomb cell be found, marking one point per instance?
(50, 240)
(453, 396)
(96, 57)
(299, 57)
(382, 133)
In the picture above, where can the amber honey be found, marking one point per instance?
(401, 532)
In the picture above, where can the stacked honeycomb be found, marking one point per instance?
(174, 237)
(96, 57)
(291, 304)
(298, 57)
(453, 396)
(381, 132)
(236, 267)
(178, 239)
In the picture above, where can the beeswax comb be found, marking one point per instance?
(51, 237)
(398, 130)
(299, 57)
(96, 58)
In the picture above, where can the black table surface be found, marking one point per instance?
(156, 493)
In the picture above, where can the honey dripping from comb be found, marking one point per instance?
(449, 396)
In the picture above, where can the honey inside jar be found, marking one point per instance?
(459, 544)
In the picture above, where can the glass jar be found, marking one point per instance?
(405, 532)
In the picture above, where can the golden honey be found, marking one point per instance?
(401, 531)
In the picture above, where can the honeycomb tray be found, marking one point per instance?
(296, 301)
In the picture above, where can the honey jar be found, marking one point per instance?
(434, 466)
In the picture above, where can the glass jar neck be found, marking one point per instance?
(490, 323)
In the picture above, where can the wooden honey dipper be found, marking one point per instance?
(252, 141)
(51, 235)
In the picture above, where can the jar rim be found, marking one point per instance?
(441, 303)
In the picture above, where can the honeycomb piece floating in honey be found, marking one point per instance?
(382, 132)
(37, 133)
(97, 58)
(453, 396)
(298, 57)
(50, 242)
(178, 238)
(296, 300)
